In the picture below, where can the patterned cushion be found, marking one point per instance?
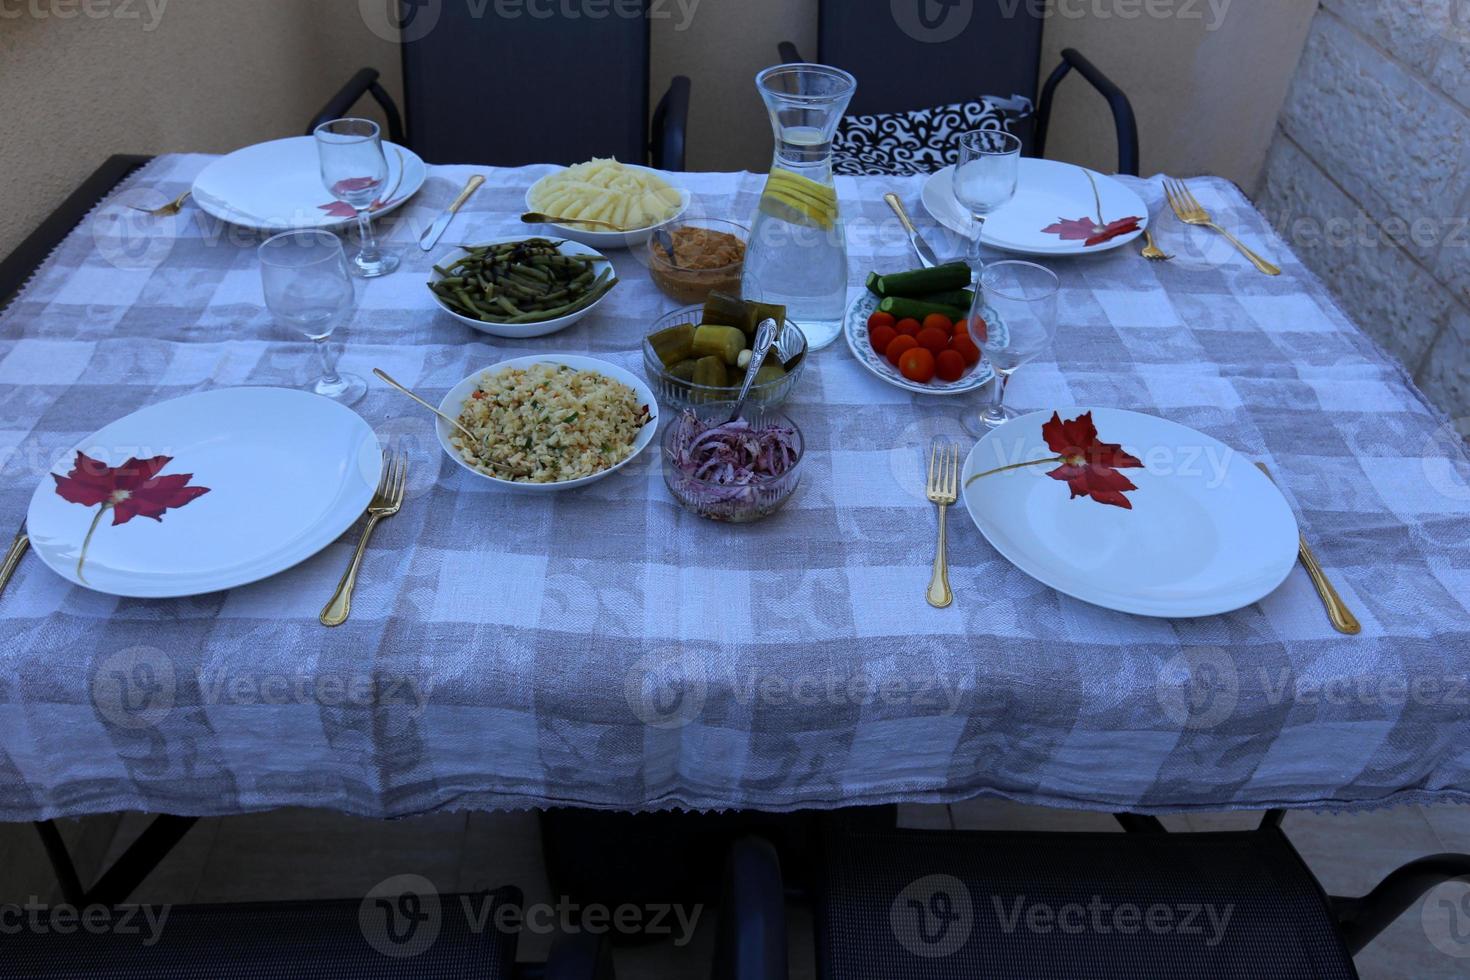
(919, 141)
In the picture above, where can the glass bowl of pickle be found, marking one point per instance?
(697, 355)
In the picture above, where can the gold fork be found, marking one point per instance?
(1151, 249)
(1338, 613)
(386, 502)
(1189, 211)
(943, 490)
(14, 555)
(168, 210)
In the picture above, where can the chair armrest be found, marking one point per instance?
(1123, 117)
(751, 942)
(365, 82)
(670, 126)
(1359, 920)
(789, 54)
(18, 267)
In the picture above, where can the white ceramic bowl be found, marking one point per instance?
(454, 402)
(538, 328)
(611, 239)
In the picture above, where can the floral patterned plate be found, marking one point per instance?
(855, 329)
(205, 492)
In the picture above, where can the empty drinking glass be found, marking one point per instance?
(985, 178)
(354, 171)
(308, 288)
(1018, 301)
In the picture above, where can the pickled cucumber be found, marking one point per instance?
(730, 311)
(726, 343)
(710, 371)
(769, 372)
(684, 370)
(674, 344)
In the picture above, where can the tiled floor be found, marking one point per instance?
(310, 854)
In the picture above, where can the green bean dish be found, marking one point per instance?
(521, 282)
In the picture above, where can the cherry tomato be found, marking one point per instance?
(980, 330)
(939, 321)
(917, 364)
(903, 342)
(881, 336)
(908, 327)
(962, 328)
(880, 320)
(934, 339)
(966, 348)
(949, 365)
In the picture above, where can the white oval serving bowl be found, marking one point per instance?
(537, 328)
(454, 401)
(613, 239)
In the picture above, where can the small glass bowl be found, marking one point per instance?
(678, 393)
(732, 505)
(695, 285)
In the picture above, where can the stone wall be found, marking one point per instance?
(1368, 177)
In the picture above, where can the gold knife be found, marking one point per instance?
(431, 234)
(14, 555)
(1337, 611)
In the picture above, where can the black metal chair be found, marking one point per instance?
(905, 63)
(512, 90)
(372, 940)
(935, 905)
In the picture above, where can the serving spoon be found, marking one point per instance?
(765, 337)
(537, 218)
(454, 422)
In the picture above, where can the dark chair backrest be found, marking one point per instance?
(928, 53)
(482, 86)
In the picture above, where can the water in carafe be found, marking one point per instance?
(797, 256)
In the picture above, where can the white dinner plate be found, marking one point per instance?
(855, 330)
(287, 473)
(539, 328)
(453, 404)
(605, 240)
(1048, 191)
(277, 186)
(1208, 532)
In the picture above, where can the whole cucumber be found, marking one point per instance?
(903, 308)
(920, 282)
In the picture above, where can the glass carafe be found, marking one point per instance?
(797, 255)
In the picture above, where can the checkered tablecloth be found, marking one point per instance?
(604, 648)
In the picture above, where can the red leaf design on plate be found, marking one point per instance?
(1090, 466)
(341, 209)
(131, 490)
(1085, 230)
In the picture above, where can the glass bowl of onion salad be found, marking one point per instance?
(737, 472)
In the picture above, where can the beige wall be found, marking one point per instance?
(212, 75)
(206, 75)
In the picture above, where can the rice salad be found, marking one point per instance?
(549, 423)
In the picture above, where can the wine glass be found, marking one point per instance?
(354, 171)
(308, 287)
(1018, 301)
(985, 178)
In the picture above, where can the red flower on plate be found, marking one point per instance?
(1089, 232)
(131, 490)
(1089, 466)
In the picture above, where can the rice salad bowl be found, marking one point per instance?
(548, 423)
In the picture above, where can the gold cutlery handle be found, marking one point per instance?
(1256, 260)
(903, 216)
(12, 558)
(464, 195)
(1337, 611)
(940, 596)
(337, 611)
